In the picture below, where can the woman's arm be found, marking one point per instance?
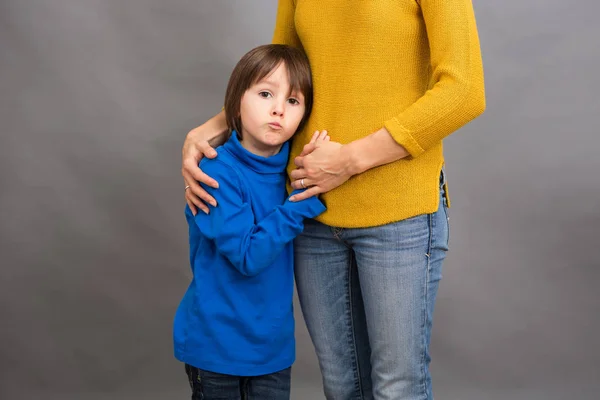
(200, 142)
(325, 166)
(456, 98)
(458, 94)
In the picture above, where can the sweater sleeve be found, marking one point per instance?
(250, 245)
(285, 26)
(456, 94)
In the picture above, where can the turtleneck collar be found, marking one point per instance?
(271, 165)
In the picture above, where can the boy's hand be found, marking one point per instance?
(311, 146)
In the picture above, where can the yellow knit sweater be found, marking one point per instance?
(411, 66)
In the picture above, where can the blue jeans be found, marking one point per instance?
(214, 386)
(367, 295)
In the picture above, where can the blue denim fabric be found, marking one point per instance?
(367, 295)
(208, 385)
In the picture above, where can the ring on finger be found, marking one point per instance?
(186, 187)
(302, 183)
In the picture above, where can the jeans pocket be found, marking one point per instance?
(447, 215)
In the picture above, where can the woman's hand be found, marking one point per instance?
(323, 165)
(200, 143)
(195, 195)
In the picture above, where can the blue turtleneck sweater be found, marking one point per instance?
(236, 317)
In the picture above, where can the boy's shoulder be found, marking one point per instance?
(222, 166)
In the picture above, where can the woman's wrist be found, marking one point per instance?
(211, 131)
(220, 138)
(377, 149)
(355, 163)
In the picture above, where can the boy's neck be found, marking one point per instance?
(257, 149)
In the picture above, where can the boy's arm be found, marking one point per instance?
(250, 245)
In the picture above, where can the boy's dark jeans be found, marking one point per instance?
(213, 386)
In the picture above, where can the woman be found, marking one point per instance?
(391, 80)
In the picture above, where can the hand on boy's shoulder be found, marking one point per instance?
(208, 161)
(220, 170)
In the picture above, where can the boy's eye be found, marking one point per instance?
(293, 101)
(264, 94)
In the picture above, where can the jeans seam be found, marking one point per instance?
(447, 215)
(424, 305)
(356, 365)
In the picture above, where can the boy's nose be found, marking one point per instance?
(278, 107)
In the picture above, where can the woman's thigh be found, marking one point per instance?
(330, 298)
(399, 269)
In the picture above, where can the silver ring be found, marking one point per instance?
(302, 183)
(186, 188)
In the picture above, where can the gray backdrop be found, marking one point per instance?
(96, 97)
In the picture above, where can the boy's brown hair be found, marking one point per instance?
(257, 64)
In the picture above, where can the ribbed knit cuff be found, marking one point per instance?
(403, 137)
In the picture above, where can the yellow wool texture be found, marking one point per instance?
(413, 67)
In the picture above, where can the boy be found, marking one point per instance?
(234, 328)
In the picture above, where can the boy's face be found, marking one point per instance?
(269, 115)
